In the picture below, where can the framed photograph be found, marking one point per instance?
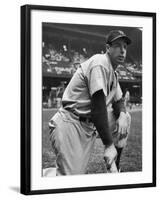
(88, 99)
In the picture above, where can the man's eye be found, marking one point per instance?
(116, 45)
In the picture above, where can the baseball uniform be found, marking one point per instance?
(73, 137)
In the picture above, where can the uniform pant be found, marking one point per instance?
(73, 140)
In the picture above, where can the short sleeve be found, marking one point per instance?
(97, 80)
(118, 94)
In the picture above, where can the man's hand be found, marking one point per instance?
(122, 125)
(52, 126)
(110, 155)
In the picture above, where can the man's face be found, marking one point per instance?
(117, 51)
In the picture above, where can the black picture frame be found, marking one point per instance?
(26, 85)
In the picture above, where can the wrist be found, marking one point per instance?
(109, 145)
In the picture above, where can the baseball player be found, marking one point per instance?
(85, 109)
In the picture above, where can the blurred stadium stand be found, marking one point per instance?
(65, 46)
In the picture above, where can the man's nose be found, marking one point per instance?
(122, 50)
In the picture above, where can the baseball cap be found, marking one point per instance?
(116, 34)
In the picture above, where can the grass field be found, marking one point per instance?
(131, 159)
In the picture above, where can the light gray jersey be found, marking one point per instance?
(94, 74)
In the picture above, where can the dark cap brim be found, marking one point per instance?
(127, 39)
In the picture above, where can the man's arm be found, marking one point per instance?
(100, 119)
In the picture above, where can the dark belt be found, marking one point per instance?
(85, 119)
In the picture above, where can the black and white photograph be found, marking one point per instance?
(92, 99)
(88, 99)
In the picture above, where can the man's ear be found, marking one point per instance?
(107, 48)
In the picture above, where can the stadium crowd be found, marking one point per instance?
(64, 61)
